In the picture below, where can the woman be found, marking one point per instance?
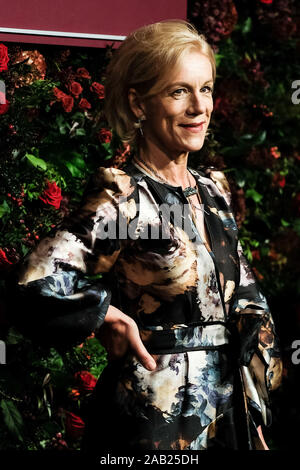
(192, 352)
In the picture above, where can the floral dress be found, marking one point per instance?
(199, 311)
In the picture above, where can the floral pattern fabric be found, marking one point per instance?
(199, 311)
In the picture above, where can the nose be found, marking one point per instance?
(198, 104)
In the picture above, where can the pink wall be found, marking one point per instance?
(111, 17)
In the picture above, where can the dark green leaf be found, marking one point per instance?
(80, 131)
(247, 137)
(261, 138)
(284, 223)
(247, 26)
(36, 162)
(13, 337)
(252, 193)
(12, 418)
(63, 126)
(76, 165)
(218, 58)
(4, 209)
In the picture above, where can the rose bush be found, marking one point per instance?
(75, 88)
(74, 425)
(82, 73)
(84, 104)
(51, 195)
(85, 381)
(98, 89)
(105, 136)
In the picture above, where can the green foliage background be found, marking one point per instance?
(254, 138)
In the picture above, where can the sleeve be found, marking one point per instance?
(254, 329)
(259, 352)
(56, 295)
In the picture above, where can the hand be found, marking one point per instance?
(119, 333)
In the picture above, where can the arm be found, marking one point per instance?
(54, 300)
(259, 354)
(253, 326)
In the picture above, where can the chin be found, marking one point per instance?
(194, 147)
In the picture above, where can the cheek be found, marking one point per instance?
(175, 115)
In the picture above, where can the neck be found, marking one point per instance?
(171, 168)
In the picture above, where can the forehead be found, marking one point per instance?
(191, 65)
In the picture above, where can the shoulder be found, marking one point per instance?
(107, 191)
(112, 179)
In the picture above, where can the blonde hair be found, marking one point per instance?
(141, 62)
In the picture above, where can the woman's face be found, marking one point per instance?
(177, 118)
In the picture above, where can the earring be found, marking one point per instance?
(138, 124)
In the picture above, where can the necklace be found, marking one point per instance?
(199, 198)
(188, 191)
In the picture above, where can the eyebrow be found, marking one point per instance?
(186, 84)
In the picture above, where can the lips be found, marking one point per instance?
(193, 126)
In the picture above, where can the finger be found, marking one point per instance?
(140, 350)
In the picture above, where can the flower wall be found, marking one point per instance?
(54, 135)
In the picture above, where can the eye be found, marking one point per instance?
(208, 88)
(179, 92)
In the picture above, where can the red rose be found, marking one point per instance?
(52, 195)
(267, 2)
(75, 88)
(59, 95)
(255, 254)
(98, 88)
(3, 58)
(84, 104)
(4, 261)
(4, 107)
(74, 425)
(105, 136)
(82, 73)
(68, 103)
(85, 381)
(279, 180)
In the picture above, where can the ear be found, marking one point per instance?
(135, 103)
